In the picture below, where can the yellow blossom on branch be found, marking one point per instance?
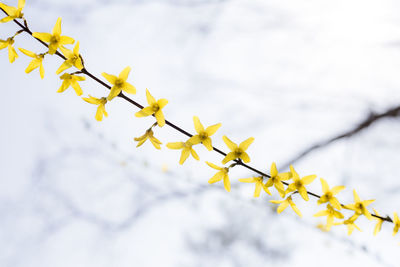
(259, 184)
(203, 135)
(186, 150)
(285, 203)
(13, 12)
(54, 39)
(12, 54)
(328, 195)
(222, 174)
(119, 83)
(276, 178)
(73, 59)
(101, 109)
(237, 151)
(360, 207)
(350, 224)
(71, 80)
(378, 225)
(299, 184)
(37, 62)
(149, 135)
(155, 107)
(396, 222)
(330, 214)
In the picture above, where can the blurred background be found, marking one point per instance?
(77, 192)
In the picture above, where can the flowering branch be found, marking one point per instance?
(237, 155)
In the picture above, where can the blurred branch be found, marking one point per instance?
(371, 119)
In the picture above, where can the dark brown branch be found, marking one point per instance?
(172, 125)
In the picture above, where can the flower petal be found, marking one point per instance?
(231, 145)
(110, 78)
(176, 145)
(245, 157)
(213, 128)
(227, 183)
(308, 179)
(229, 157)
(246, 143)
(207, 143)
(197, 124)
(274, 170)
(184, 155)
(212, 165)
(160, 118)
(43, 36)
(57, 27)
(125, 73)
(150, 98)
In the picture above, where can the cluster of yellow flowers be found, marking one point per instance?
(287, 184)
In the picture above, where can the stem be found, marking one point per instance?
(172, 125)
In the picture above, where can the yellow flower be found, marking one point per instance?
(37, 62)
(328, 195)
(360, 206)
(237, 152)
(73, 59)
(350, 224)
(12, 54)
(259, 184)
(119, 83)
(148, 135)
(55, 39)
(186, 150)
(285, 203)
(101, 109)
(276, 178)
(221, 175)
(378, 225)
(203, 135)
(298, 184)
(13, 12)
(396, 222)
(155, 107)
(71, 80)
(330, 214)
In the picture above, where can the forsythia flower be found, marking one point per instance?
(55, 39)
(203, 135)
(396, 222)
(328, 195)
(298, 184)
(360, 206)
(221, 175)
(101, 109)
(237, 152)
(12, 54)
(155, 107)
(276, 178)
(119, 83)
(71, 80)
(73, 59)
(259, 184)
(285, 203)
(148, 135)
(350, 224)
(378, 225)
(37, 62)
(186, 150)
(13, 12)
(330, 214)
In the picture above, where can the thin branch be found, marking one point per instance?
(371, 119)
(172, 125)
